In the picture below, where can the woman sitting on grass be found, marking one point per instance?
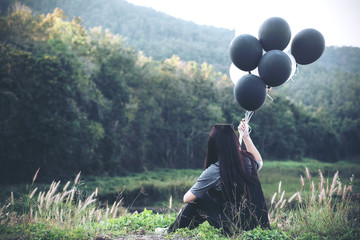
(228, 193)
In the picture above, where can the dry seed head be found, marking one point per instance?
(339, 189)
(42, 199)
(115, 212)
(35, 176)
(313, 192)
(282, 195)
(322, 196)
(322, 181)
(313, 188)
(307, 173)
(120, 201)
(299, 197)
(12, 198)
(106, 213)
(273, 198)
(89, 200)
(48, 202)
(327, 186)
(57, 198)
(333, 184)
(333, 191)
(302, 181)
(279, 190)
(66, 186)
(50, 190)
(72, 194)
(87, 203)
(344, 192)
(281, 198)
(33, 193)
(39, 207)
(283, 204)
(38, 199)
(80, 204)
(112, 207)
(64, 195)
(77, 178)
(292, 197)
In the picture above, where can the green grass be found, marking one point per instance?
(319, 213)
(153, 189)
(156, 187)
(288, 172)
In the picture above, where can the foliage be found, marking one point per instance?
(155, 33)
(76, 99)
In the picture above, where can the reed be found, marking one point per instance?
(62, 207)
(320, 212)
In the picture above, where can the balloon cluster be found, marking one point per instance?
(273, 68)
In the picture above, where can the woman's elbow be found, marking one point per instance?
(189, 197)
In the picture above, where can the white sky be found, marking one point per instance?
(337, 20)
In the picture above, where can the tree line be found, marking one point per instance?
(154, 33)
(75, 99)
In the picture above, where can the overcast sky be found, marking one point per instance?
(337, 20)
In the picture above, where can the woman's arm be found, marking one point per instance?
(250, 147)
(189, 197)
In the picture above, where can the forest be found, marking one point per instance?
(78, 95)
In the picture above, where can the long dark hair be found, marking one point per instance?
(241, 188)
(224, 146)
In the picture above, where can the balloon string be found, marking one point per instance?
(295, 73)
(248, 115)
(267, 93)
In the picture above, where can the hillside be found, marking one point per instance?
(155, 33)
(161, 36)
(77, 98)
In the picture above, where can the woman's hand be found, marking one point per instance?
(250, 147)
(244, 127)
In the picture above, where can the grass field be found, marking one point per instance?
(154, 188)
(98, 207)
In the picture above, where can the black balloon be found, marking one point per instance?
(274, 33)
(275, 68)
(245, 52)
(250, 92)
(307, 46)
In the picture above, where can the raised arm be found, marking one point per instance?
(250, 147)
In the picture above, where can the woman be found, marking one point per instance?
(228, 193)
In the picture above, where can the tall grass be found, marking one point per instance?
(322, 209)
(57, 208)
